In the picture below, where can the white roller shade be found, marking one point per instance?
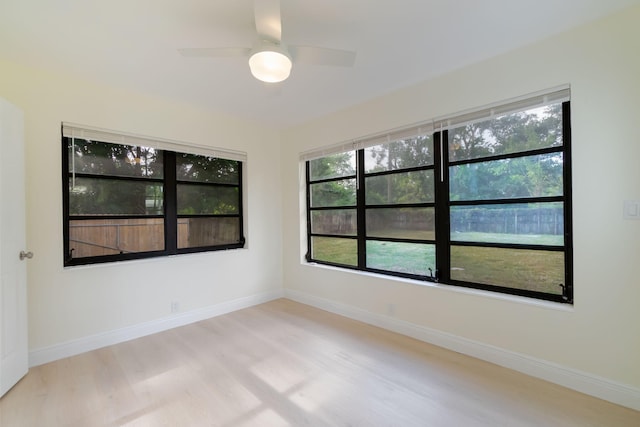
(370, 141)
(536, 100)
(527, 102)
(71, 130)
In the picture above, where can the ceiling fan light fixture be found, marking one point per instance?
(270, 63)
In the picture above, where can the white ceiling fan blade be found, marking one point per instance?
(215, 52)
(322, 56)
(268, 22)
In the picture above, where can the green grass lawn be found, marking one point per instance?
(407, 258)
(339, 251)
(540, 271)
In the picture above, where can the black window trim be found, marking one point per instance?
(442, 204)
(170, 216)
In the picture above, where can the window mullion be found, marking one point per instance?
(241, 205)
(568, 209)
(443, 237)
(308, 256)
(170, 203)
(65, 200)
(361, 210)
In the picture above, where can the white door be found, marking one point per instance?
(14, 361)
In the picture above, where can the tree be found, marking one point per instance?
(213, 199)
(409, 187)
(337, 192)
(529, 176)
(104, 195)
(197, 168)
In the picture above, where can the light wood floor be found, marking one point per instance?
(287, 364)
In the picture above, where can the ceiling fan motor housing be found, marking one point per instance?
(270, 62)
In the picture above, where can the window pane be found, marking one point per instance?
(410, 258)
(336, 221)
(401, 223)
(335, 250)
(528, 130)
(334, 166)
(197, 232)
(403, 154)
(531, 176)
(115, 236)
(541, 271)
(92, 196)
(191, 167)
(102, 158)
(207, 200)
(524, 223)
(334, 193)
(398, 188)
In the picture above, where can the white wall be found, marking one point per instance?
(600, 334)
(75, 303)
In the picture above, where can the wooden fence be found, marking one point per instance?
(500, 220)
(98, 237)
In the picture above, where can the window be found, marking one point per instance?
(480, 200)
(125, 201)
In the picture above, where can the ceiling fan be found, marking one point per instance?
(269, 59)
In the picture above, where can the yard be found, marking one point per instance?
(534, 270)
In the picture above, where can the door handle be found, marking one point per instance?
(24, 255)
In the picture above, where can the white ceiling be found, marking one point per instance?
(133, 44)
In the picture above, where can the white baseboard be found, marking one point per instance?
(71, 348)
(583, 382)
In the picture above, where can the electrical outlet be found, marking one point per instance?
(631, 209)
(175, 306)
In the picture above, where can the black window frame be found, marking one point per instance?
(442, 205)
(170, 213)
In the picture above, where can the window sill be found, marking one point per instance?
(549, 305)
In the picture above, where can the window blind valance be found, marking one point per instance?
(72, 130)
(475, 115)
(370, 141)
(527, 102)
